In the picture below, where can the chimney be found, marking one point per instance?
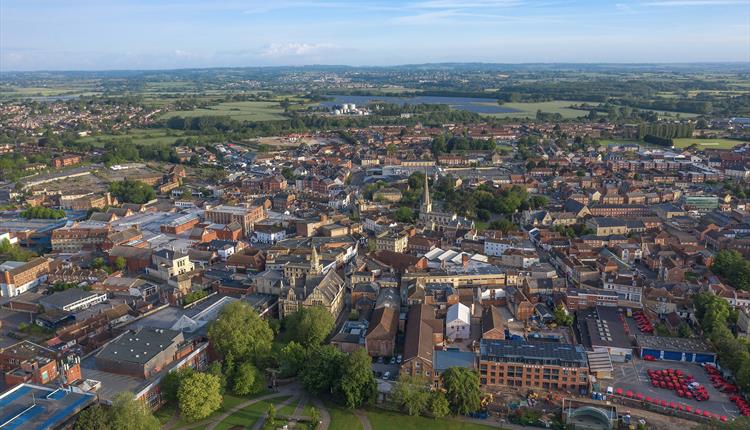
(465, 260)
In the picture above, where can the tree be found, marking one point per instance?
(733, 267)
(462, 390)
(128, 191)
(309, 326)
(411, 393)
(562, 317)
(239, 331)
(314, 418)
(322, 370)
(292, 359)
(216, 370)
(271, 415)
(128, 413)
(170, 384)
(40, 212)
(92, 418)
(439, 406)
(247, 380)
(199, 396)
(357, 385)
(120, 263)
(404, 214)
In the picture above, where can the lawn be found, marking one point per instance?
(343, 419)
(706, 143)
(248, 416)
(382, 420)
(241, 111)
(139, 136)
(229, 402)
(528, 110)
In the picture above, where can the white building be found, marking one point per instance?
(269, 233)
(458, 322)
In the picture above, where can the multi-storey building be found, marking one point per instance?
(244, 216)
(17, 277)
(78, 237)
(533, 365)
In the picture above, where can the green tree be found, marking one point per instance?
(314, 418)
(128, 413)
(199, 395)
(120, 263)
(128, 191)
(733, 267)
(309, 326)
(271, 413)
(404, 214)
(462, 390)
(563, 318)
(322, 370)
(292, 359)
(92, 418)
(411, 393)
(170, 384)
(357, 384)
(439, 406)
(247, 380)
(239, 331)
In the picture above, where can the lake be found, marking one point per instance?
(476, 105)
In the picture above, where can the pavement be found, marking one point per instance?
(634, 376)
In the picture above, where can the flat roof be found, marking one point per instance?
(551, 352)
(31, 407)
(674, 344)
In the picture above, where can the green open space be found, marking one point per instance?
(528, 110)
(384, 420)
(240, 111)
(343, 419)
(717, 143)
(228, 403)
(139, 136)
(246, 417)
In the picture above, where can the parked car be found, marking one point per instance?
(387, 375)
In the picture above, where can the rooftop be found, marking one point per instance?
(674, 344)
(521, 351)
(31, 407)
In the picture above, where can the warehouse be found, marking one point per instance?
(676, 349)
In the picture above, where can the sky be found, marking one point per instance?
(165, 34)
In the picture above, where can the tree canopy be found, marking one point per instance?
(199, 395)
(40, 212)
(128, 191)
(462, 390)
(411, 393)
(733, 267)
(357, 384)
(128, 413)
(241, 333)
(309, 326)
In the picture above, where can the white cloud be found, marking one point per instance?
(291, 49)
(623, 7)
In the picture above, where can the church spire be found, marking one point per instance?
(314, 260)
(426, 203)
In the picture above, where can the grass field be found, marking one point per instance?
(384, 420)
(528, 110)
(342, 419)
(241, 111)
(248, 416)
(706, 143)
(139, 136)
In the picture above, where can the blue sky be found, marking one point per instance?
(154, 34)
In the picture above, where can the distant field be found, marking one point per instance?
(706, 143)
(24, 92)
(528, 110)
(139, 136)
(241, 111)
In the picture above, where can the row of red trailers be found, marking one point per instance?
(676, 380)
(644, 325)
(723, 385)
(671, 405)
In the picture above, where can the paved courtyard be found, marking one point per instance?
(634, 376)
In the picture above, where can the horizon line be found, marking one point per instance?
(444, 63)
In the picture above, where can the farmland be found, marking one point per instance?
(528, 110)
(138, 136)
(706, 143)
(240, 111)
